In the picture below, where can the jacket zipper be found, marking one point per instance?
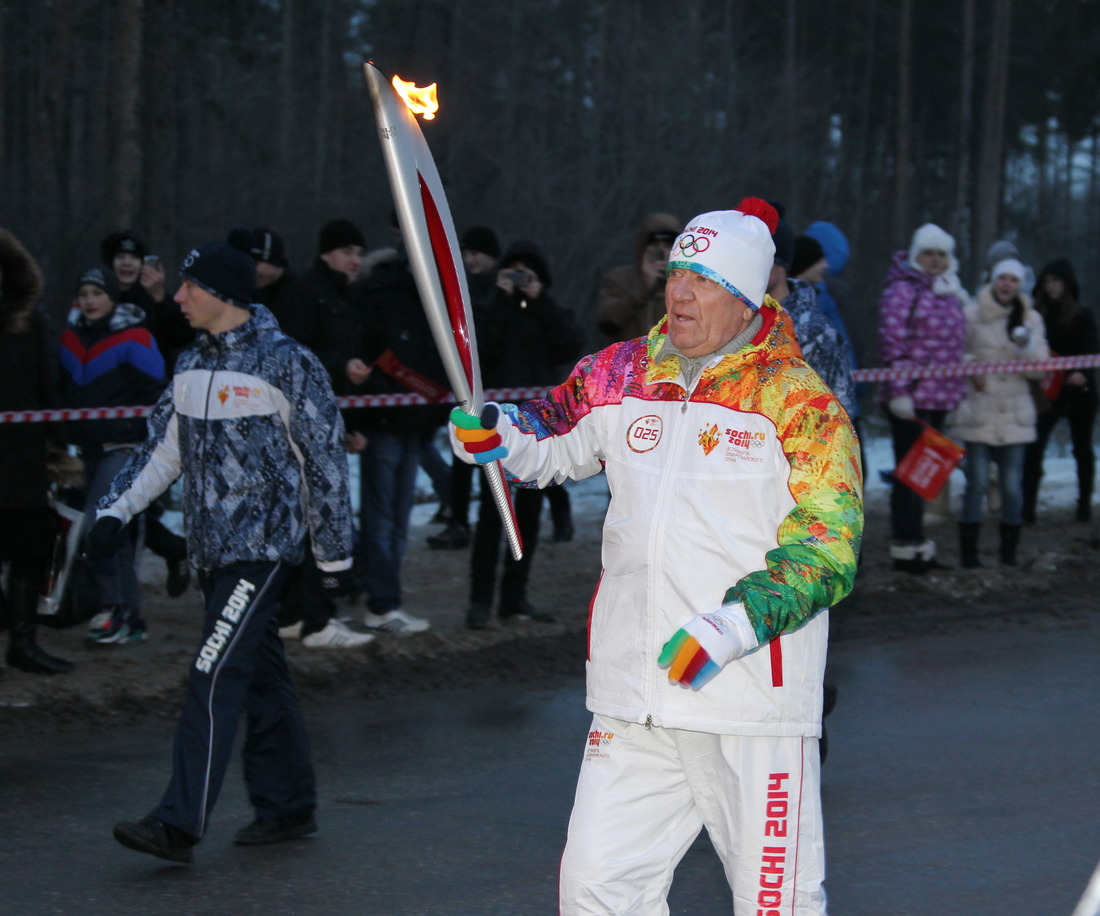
(648, 724)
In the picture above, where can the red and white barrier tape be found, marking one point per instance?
(1054, 364)
(359, 400)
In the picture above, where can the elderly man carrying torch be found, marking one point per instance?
(734, 524)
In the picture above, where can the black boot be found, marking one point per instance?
(1010, 538)
(23, 652)
(968, 545)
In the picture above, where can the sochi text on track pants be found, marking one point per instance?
(240, 665)
(644, 794)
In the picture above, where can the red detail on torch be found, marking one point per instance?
(448, 277)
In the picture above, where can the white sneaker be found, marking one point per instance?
(395, 622)
(336, 635)
(293, 631)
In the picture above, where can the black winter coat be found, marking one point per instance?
(28, 378)
(393, 319)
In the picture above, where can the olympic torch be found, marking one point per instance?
(429, 235)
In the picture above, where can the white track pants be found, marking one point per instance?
(644, 795)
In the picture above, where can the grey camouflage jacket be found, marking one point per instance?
(251, 421)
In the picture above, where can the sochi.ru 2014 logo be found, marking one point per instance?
(644, 433)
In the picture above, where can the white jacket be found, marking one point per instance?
(999, 408)
(744, 489)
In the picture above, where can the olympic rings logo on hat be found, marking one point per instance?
(696, 243)
(192, 257)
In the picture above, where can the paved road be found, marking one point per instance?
(963, 778)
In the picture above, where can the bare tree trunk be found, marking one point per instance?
(862, 156)
(991, 159)
(790, 106)
(287, 104)
(320, 150)
(125, 176)
(960, 211)
(904, 126)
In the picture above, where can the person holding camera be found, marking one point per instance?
(140, 279)
(528, 336)
(141, 282)
(632, 296)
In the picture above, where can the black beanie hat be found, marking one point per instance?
(483, 239)
(807, 252)
(126, 240)
(224, 269)
(267, 246)
(784, 244)
(339, 233)
(103, 277)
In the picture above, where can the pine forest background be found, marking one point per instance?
(562, 121)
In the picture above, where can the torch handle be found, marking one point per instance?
(498, 487)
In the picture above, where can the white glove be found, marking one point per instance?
(902, 407)
(706, 644)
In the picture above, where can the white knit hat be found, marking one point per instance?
(930, 237)
(1009, 266)
(732, 247)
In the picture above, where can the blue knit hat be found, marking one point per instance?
(224, 269)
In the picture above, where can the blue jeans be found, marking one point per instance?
(1010, 477)
(115, 577)
(387, 491)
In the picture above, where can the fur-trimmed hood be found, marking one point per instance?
(20, 284)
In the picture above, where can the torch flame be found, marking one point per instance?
(420, 101)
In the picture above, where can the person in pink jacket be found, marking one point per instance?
(921, 323)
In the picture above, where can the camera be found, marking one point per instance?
(151, 260)
(518, 277)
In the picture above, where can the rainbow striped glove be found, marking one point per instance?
(475, 439)
(706, 644)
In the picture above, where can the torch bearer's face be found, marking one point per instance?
(702, 316)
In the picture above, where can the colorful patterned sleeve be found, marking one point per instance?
(814, 565)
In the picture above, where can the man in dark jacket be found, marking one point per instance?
(305, 613)
(328, 324)
(401, 350)
(527, 339)
(251, 416)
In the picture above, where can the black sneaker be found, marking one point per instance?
(563, 533)
(156, 838)
(524, 613)
(275, 829)
(179, 577)
(477, 616)
(454, 537)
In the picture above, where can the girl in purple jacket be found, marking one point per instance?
(921, 323)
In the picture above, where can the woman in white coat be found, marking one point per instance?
(997, 417)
